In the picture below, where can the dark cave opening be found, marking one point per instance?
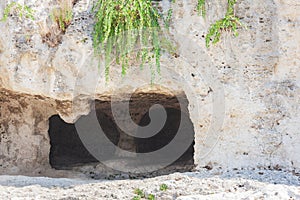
(175, 118)
(67, 150)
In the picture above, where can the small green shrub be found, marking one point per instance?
(21, 10)
(163, 187)
(151, 197)
(136, 198)
(139, 192)
(229, 23)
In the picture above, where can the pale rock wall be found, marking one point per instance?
(24, 141)
(252, 79)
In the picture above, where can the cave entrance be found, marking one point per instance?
(68, 151)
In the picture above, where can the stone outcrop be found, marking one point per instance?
(243, 93)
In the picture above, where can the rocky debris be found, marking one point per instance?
(238, 184)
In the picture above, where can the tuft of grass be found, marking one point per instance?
(229, 23)
(21, 10)
(163, 187)
(62, 15)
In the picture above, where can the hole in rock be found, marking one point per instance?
(68, 151)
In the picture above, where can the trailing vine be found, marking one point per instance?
(229, 23)
(128, 30)
(124, 25)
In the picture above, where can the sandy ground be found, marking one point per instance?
(236, 184)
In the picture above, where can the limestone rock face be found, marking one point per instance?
(243, 92)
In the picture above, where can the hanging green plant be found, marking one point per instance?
(229, 23)
(127, 30)
(201, 8)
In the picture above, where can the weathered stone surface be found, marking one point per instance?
(258, 72)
